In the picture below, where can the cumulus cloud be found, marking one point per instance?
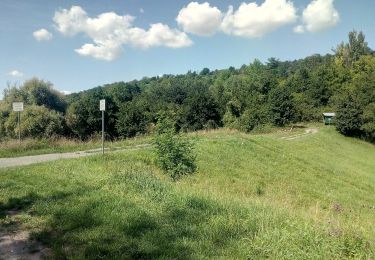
(253, 20)
(42, 35)
(16, 74)
(101, 51)
(109, 32)
(200, 19)
(158, 35)
(318, 16)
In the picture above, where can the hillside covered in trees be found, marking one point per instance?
(248, 98)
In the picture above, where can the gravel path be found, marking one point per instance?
(27, 160)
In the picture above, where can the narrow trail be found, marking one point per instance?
(27, 160)
(309, 131)
(16, 243)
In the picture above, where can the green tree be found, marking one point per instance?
(36, 92)
(282, 107)
(348, 53)
(198, 109)
(131, 119)
(349, 115)
(84, 119)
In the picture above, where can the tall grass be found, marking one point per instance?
(253, 197)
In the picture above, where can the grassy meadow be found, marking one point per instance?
(254, 196)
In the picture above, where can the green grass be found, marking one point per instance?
(254, 196)
(12, 148)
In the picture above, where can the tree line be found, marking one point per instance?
(254, 96)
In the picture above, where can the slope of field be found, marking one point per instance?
(254, 196)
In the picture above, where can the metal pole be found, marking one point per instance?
(19, 127)
(103, 132)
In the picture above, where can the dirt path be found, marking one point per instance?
(16, 243)
(27, 160)
(307, 132)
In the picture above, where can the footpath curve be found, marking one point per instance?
(27, 160)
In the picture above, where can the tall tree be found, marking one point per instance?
(348, 53)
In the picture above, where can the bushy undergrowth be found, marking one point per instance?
(174, 152)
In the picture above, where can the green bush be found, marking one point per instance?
(174, 152)
(36, 122)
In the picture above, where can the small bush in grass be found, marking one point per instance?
(174, 152)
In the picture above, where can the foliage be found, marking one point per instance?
(349, 121)
(356, 101)
(37, 122)
(131, 119)
(36, 92)
(174, 152)
(199, 109)
(351, 52)
(84, 118)
(282, 107)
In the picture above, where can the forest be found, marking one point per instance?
(253, 97)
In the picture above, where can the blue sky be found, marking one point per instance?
(81, 48)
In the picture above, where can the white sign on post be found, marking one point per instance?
(102, 108)
(17, 106)
(102, 105)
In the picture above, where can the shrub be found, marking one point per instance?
(174, 152)
(36, 122)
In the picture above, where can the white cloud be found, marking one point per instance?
(109, 32)
(299, 29)
(42, 35)
(16, 74)
(320, 15)
(107, 51)
(253, 20)
(158, 35)
(66, 92)
(141, 10)
(70, 22)
(200, 19)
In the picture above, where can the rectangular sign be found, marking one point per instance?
(17, 106)
(102, 105)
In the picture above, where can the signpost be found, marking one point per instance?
(18, 107)
(102, 108)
